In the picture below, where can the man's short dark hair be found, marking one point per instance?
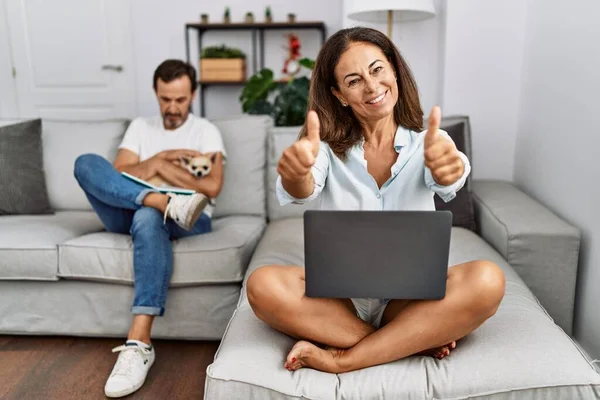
(169, 70)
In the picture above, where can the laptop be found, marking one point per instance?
(377, 254)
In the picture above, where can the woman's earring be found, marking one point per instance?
(344, 104)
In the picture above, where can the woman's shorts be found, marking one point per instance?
(370, 310)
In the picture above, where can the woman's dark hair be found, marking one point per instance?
(339, 126)
(169, 70)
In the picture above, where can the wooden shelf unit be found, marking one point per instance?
(232, 83)
(257, 30)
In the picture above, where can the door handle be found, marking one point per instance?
(117, 68)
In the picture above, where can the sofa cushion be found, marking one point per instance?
(22, 170)
(28, 242)
(462, 208)
(77, 308)
(243, 192)
(463, 138)
(217, 257)
(518, 353)
(63, 142)
(249, 365)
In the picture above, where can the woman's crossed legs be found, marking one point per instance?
(277, 296)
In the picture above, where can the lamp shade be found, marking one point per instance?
(402, 10)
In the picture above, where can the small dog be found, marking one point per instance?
(199, 167)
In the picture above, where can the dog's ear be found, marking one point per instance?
(213, 158)
(184, 160)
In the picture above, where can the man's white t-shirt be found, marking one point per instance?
(148, 136)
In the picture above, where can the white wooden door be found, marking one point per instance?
(8, 93)
(73, 58)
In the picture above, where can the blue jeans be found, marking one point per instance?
(118, 203)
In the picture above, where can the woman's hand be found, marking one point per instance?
(296, 161)
(441, 155)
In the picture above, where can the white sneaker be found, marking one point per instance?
(185, 209)
(130, 370)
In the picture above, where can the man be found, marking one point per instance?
(150, 147)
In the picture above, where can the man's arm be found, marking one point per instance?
(128, 161)
(210, 185)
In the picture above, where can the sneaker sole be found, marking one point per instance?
(123, 393)
(201, 204)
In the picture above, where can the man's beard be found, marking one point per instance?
(173, 121)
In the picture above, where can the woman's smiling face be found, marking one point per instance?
(366, 81)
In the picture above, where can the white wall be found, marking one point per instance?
(159, 35)
(421, 45)
(8, 99)
(558, 139)
(482, 77)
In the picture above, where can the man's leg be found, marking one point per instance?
(112, 196)
(125, 206)
(115, 220)
(100, 180)
(102, 183)
(152, 267)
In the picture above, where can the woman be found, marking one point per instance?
(360, 149)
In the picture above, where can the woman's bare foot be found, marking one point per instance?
(306, 354)
(439, 352)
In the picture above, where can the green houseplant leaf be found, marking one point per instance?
(257, 89)
(289, 105)
(307, 63)
(289, 108)
(261, 107)
(222, 52)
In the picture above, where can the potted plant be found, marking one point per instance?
(227, 16)
(249, 18)
(222, 63)
(268, 16)
(204, 18)
(288, 106)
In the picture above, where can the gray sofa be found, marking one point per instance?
(61, 274)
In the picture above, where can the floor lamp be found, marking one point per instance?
(390, 11)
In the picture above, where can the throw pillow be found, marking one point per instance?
(463, 212)
(22, 170)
